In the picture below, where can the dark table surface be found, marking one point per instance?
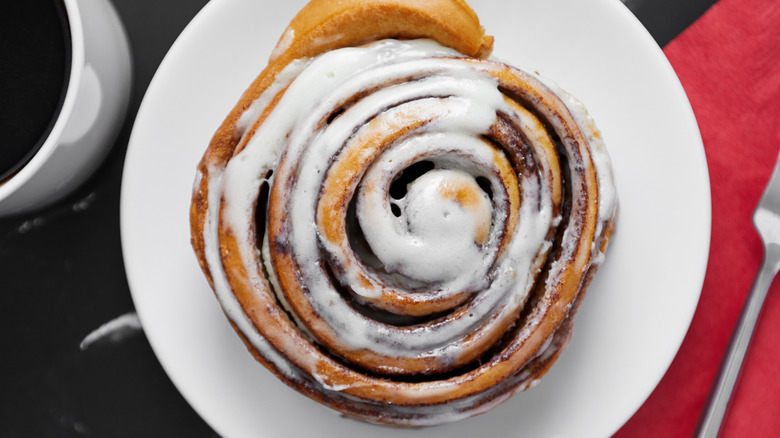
(62, 276)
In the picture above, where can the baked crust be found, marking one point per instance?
(535, 126)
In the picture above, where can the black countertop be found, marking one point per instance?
(62, 277)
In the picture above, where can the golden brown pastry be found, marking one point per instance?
(397, 227)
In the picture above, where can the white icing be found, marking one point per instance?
(441, 235)
(607, 193)
(284, 43)
(386, 233)
(115, 330)
(287, 75)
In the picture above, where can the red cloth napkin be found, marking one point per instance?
(729, 64)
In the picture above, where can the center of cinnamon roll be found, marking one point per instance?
(448, 219)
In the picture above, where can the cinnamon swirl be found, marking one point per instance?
(395, 226)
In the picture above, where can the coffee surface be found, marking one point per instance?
(35, 52)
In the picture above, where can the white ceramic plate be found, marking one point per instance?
(638, 308)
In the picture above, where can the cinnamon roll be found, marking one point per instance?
(396, 226)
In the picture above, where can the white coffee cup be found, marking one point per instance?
(93, 110)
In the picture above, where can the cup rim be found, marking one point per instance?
(77, 61)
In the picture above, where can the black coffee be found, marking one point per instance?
(34, 70)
